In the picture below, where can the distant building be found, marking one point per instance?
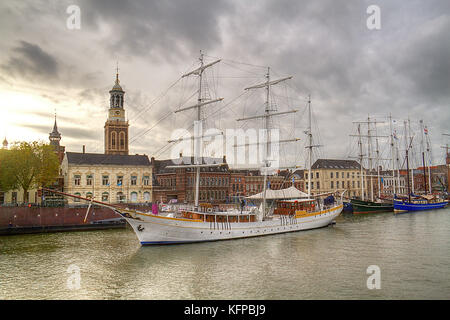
(330, 175)
(178, 184)
(108, 178)
(393, 184)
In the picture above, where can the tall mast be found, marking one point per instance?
(310, 146)
(407, 164)
(197, 141)
(429, 161)
(197, 135)
(394, 191)
(266, 130)
(410, 146)
(423, 156)
(267, 114)
(369, 154)
(378, 161)
(361, 161)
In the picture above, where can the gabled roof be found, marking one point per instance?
(107, 159)
(336, 164)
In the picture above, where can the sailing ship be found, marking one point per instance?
(415, 202)
(279, 211)
(380, 204)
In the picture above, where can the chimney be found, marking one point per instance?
(84, 148)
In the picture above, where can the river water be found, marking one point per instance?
(412, 251)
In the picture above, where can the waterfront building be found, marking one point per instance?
(330, 175)
(178, 184)
(393, 184)
(110, 178)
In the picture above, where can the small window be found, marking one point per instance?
(89, 179)
(105, 180)
(77, 179)
(133, 180)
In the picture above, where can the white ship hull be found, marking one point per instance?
(153, 229)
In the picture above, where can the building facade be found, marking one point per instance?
(108, 178)
(178, 184)
(330, 175)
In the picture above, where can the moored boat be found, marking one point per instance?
(362, 206)
(419, 203)
(189, 226)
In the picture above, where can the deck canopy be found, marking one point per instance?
(288, 193)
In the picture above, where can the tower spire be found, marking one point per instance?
(117, 73)
(55, 136)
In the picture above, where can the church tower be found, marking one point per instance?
(116, 127)
(55, 138)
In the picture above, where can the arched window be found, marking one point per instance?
(146, 196)
(113, 139)
(89, 195)
(105, 196)
(134, 196)
(76, 199)
(122, 140)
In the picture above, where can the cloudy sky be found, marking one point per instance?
(350, 71)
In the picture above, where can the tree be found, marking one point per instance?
(28, 165)
(7, 180)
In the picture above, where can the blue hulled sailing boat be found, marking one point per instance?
(415, 202)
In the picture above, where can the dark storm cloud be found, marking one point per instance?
(158, 29)
(30, 61)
